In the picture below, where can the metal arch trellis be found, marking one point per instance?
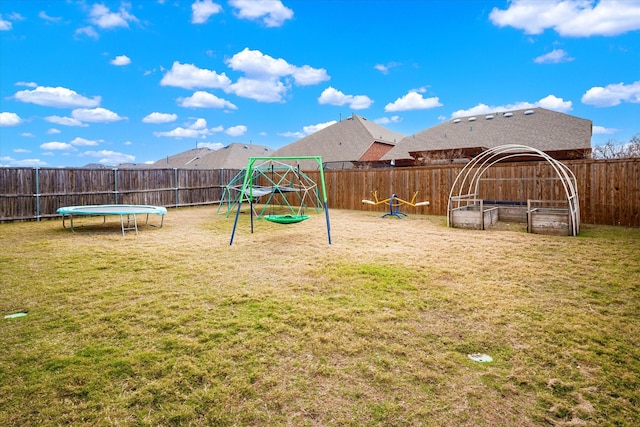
(468, 180)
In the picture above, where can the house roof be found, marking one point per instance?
(233, 156)
(539, 128)
(345, 141)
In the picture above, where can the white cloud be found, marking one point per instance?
(210, 145)
(387, 120)
(88, 31)
(58, 146)
(385, 68)
(121, 60)
(236, 130)
(257, 65)
(572, 18)
(308, 130)
(9, 119)
(556, 56)
(43, 15)
(260, 90)
(264, 73)
(333, 96)
(272, 12)
(81, 142)
(549, 102)
(58, 97)
(197, 129)
(53, 131)
(188, 76)
(110, 158)
(612, 95)
(306, 75)
(296, 135)
(15, 16)
(413, 100)
(95, 115)
(181, 132)
(5, 25)
(65, 121)
(202, 10)
(554, 103)
(26, 163)
(199, 124)
(601, 130)
(101, 16)
(202, 99)
(160, 118)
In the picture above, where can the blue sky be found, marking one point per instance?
(135, 81)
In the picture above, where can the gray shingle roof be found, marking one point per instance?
(233, 156)
(344, 141)
(539, 128)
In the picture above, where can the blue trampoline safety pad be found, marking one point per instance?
(112, 210)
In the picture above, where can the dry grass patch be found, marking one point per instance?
(176, 327)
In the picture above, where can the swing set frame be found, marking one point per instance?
(249, 191)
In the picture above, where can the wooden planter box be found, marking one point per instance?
(476, 217)
(548, 220)
(541, 216)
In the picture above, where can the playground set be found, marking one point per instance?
(274, 178)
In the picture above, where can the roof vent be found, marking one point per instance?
(246, 147)
(489, 117)
(508, 114)
(456, 121)
(472, 119)
(528, 112)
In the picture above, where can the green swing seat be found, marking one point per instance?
(286, 219)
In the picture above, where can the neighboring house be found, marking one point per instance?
(356, 142)
(233, 156)
(352, 142)
(560, 135)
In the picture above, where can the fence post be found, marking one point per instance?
(37, 171)
(175, 184)
(115, 184)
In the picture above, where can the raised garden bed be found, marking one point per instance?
(477, 217)
(545, 218)
(541, 216)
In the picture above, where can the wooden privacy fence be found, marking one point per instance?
(27, 193)
(609, 190)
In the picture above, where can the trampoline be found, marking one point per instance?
(128, 211)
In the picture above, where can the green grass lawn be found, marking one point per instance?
(175, 327)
